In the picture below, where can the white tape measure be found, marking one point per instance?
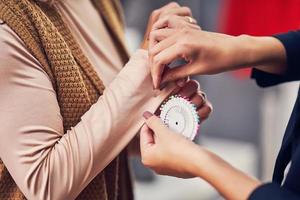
(180, 115)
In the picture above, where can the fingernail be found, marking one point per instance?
(147, 115)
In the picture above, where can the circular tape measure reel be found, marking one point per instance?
(180, 115)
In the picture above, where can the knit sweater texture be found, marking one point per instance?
(42, 29)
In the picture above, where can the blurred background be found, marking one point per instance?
(248, 122)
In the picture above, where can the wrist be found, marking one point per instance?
(265, 53)
(249, 50)
(199, 162)
(224, 177)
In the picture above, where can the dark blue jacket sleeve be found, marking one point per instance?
(273, 191)
(291, 42)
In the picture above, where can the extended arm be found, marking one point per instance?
(45, 162)
(186, 160)
(211, 53)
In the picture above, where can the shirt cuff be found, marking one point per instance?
(272, 191)
(291, 43)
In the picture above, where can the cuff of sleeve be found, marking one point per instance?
(272, 191)
(264, 79)
(291, 43)
(263, 191)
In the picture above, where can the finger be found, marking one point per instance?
(155, 124)
(189, 89)
(174, 22)
(163, 58)
(198, 100)
(170, 5)
(159, 35)
(205, 111)
(163, 40)
(156, 14)
(181, 11)
(179, 72)
(169, 21)
(146, 137)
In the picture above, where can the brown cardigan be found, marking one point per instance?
(48, 38)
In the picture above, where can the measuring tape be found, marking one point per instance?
(180, 115)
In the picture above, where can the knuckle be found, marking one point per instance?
(155, 13)
(187, 10)
(174, 4)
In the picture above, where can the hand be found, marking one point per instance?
(169, 9)
(165, 152)
(168, 153)
(208, 52)
(191, 90)
(164, 157)
(204, 52)
(168, 24)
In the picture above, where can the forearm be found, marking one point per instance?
(45, 161)
(264, 53)
(228, 181)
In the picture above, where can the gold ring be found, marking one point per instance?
(203, 96)
(191, 20)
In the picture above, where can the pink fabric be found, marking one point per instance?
(45, 162)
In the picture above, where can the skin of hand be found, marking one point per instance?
(169, 153)
(173, 9)
(208, 52)
(191, 90)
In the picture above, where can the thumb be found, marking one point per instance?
(146, 138)
(155, 123)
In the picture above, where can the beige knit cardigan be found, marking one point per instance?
(77, 85)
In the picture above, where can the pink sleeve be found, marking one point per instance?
(45, 162)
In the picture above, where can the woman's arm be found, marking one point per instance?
(230, 182)
(264, 53)
(291, 43)
(209, 53)
(169, 153)
(45, 161)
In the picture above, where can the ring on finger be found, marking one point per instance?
(203, 96)
(191, 20)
